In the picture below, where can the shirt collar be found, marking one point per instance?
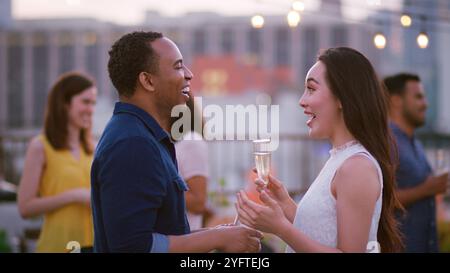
(398, 131)
(146, 118)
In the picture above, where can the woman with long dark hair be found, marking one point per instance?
(195, 172)
(350, 206)
(56, 176)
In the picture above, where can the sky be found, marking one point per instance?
(131, 12)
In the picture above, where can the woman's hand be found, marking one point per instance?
(79, 195)
(278, 192)
(269, 218)
(275, 189)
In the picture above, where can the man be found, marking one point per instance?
(417, 187)
(137, 195)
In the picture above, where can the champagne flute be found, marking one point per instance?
(261, 152)
(441, 162)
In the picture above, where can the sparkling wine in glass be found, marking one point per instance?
(262, 162)
(261, 152)
(441, 162)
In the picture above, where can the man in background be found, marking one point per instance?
(417, 186)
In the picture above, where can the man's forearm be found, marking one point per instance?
(200, 229)
(201, 241)
(411, 195)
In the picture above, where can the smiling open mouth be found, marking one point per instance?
(186, 90)
(311, 118)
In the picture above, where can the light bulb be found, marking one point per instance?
(293, 18)
(422, 40)
(379, 40)
(405, 20)
(257, 21)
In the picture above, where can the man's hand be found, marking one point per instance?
(436, 184)
(240, 239)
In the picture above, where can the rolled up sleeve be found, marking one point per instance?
(160, 243)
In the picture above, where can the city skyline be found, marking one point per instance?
(135, 14)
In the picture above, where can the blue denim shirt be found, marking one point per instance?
(418, 225)
(137, 194)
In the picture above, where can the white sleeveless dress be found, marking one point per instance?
(316, 211)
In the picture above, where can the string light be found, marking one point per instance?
(422, 39)
(257, 21)
(379, 40)
(293, 18)
(406, 20)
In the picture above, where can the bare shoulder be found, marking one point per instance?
(358, 165)
(36, 145)
(36, 150)
(358, 174)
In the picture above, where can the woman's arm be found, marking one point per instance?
(289, 208)
(28, 201)
(356, 188)
(277, 191)
(271, 219)
(196, 195)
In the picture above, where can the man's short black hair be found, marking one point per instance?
(395, 84)
(129, 56)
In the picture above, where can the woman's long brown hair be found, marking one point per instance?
(56, 112)
(353, 80)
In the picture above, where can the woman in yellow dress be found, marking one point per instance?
(56, 177)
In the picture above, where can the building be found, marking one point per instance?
(230, 60)
(35, 52)
(5, 14)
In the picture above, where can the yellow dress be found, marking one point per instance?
(63, 172)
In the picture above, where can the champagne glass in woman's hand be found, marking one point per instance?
(261, 151)
(278, 192)
(274, 188)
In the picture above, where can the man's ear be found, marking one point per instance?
(146, 81)
(339, 105)
(396, 101)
